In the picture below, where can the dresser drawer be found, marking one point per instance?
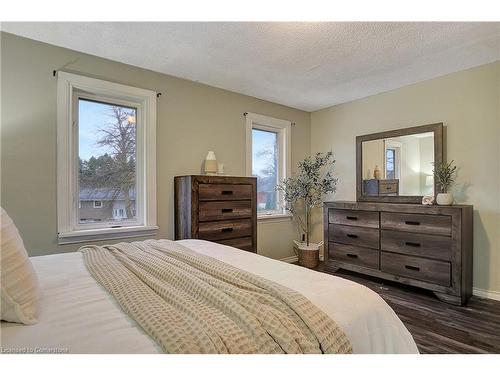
(244, 243)
(369, 219)
(388, 187)
(217, 192)
(220, 230)
(433, 271)
(416, 223)
(359, 236)
(222, 210)
(360, 256)
(426, 245)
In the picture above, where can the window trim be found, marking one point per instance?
(283, 129)
(67, 197)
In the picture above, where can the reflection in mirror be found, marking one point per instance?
(398, 166)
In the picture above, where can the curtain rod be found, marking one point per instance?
(54, 73)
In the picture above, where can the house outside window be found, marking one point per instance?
(268, 159)
(106, 160)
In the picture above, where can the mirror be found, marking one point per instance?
(396, 166)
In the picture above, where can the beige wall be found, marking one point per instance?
(373, 156)
(426, 160)
(468, 103)
(192, 119)
(410, 166)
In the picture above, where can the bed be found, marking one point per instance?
(79, 316)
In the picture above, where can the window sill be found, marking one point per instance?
(274, 218)
(90, 235)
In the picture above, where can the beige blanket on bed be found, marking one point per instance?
(191, 303)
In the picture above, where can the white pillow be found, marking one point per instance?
(19, 282)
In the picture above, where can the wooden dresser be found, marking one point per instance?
(222, 209)
(424, 246)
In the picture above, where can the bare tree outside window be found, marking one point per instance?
(107, 170)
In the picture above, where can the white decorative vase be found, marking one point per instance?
(444, 199)
(211, 164)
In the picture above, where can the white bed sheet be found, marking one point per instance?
(79, 316)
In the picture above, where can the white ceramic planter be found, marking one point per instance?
(444, 199)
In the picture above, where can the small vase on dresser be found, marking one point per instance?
(444, 199)
(424, 246)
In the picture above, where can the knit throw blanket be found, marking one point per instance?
(191, 303)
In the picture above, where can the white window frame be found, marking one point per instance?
(283, 129)
(97, 206)
(69, 86)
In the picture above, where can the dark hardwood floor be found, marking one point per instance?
(437, 327)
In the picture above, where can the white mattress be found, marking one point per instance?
(79, 316)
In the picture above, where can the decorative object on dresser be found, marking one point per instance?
(222, 209)
(428, 200)
(445, 174)
(211, 164)
(406, 156)
(303, 192)
(220, 169)
(424, 246)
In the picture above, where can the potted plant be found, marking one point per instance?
(302, 193)
(444, 175)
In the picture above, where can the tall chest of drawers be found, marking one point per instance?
(424, 246)
(222, 209)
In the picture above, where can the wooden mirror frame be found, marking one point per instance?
(437, 129)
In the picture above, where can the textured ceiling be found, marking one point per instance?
(303, 65)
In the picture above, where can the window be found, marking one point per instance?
(106, 158)
(107, 137)
(392, 165)
(390, 160)
(268, 159)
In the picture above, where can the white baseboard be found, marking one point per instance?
(292, 259)
(484, 293)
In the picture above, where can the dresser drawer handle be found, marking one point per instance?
(351, 218)
(412, 222)
(412, 268)
(227, 192)
(224, 210)
(412, 244)
(352, 255)
(352, 235)
(388, 187)
(224, 230)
